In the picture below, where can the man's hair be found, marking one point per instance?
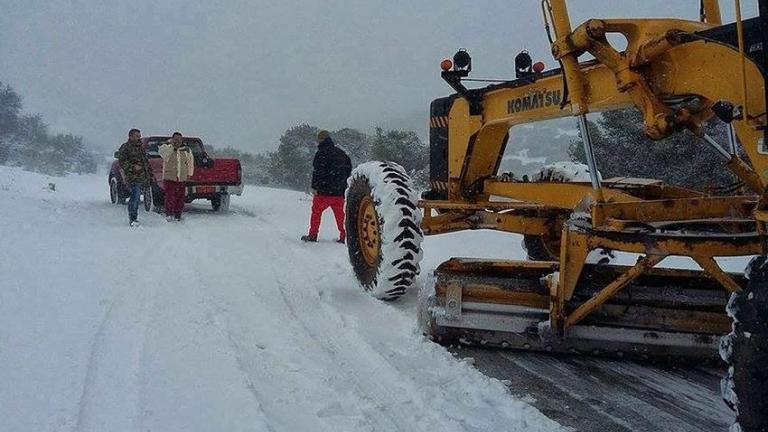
(175, 134)
(133, 130)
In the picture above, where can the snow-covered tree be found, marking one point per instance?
(403, 147)
(622, 149)
(26, 141)
(357, 144)
(292, 165)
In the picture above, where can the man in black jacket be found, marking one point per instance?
(331, 168)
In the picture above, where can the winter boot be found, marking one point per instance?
(341, 240)
(134, 223)
(309, 238)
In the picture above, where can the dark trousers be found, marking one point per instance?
(319, 204)
(174, 198)
(133, 202)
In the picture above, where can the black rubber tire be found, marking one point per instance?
(537, 248)
(115, 191)
(359, 188)
(395, 271)
(745, 349)
(147, 198)
(541, 248)
(152, 198)
(220, 203)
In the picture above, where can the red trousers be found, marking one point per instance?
(319, 204)
(174, 197)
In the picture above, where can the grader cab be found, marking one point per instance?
(674, 72)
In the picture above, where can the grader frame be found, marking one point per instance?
(671, 72)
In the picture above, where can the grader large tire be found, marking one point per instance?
(383, 229)
(745, 350)
(547, 247)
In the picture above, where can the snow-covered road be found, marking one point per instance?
(225, 322)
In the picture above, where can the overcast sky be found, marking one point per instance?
(239, 72)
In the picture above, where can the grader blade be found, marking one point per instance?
(662, 314)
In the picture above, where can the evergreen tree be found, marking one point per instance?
(293, 164)
(622, 150)
(26, 141)
(290, 166)
(255, 166)
(357, 144)
(403, 147)
(10, 111)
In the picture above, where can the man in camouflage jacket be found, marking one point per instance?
(133, 161)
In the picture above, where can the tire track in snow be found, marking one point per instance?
(254, 371)
(325, 343)
(297, 330)
(114, 377)
(337, 345)
(373, 370)
(237, 353)
(244, 361)
(91, 370)
(142, 377)
(184, 341)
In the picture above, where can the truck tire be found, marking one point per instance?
(115, 192)
(148, 197)
(220, 203)
(745, 350)
(383, 227)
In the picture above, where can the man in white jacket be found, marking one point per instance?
(178, 167)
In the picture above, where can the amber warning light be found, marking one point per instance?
(538, 67)
(446, 64)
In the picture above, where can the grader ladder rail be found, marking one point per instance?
(674, 72)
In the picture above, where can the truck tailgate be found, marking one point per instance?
(223, 171)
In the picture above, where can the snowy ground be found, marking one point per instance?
(225, 322)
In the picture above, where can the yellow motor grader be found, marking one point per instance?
(680, 75)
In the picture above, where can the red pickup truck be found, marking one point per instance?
(213, 179)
